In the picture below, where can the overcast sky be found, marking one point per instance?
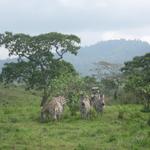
(91, 20)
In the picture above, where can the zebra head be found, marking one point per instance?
(98, 102)
(102, 99)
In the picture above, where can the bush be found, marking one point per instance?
(121, 115)
(73, 102)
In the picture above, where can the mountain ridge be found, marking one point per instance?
(113, 51)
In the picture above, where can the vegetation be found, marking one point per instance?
(104, 70)
(109, 77)
(41, 70)
(39, 59)
(137, 74)
(21, 129)
(131, 85)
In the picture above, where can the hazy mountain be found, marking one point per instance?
(115, 51)
(2, 62)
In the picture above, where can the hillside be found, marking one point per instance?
(20, 128)
(115, 51)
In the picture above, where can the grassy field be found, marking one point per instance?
(119, 128)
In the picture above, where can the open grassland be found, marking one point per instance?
(122, 127)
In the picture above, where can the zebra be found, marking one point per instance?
(98, 102)
(85, 107)
(53, 109)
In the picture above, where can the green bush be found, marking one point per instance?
(73, 102)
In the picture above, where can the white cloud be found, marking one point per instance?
(145, 38)
(84, 4)
(3, 53)
(92, 20)
(73, 15)
(92, 37)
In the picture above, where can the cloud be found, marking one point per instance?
(92, 20)
(92, 37)
(83, 4)
(3, 53)
(73, 15)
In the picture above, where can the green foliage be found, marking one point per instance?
(73, 102)
(109, 77)
(69, 85)
(89, 82)
(137, 73)
(39, 58)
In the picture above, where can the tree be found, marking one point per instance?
(103, 70)
(109, 75)
(137, 73)
(89, 82)
(39, 58)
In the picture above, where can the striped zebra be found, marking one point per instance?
(53, 109)
(85, 107)
(98, 102)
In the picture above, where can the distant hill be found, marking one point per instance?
(2, 62)
(115, 51)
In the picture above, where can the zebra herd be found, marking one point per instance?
(87, 104)
(55, 108)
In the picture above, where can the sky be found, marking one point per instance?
(91, 20)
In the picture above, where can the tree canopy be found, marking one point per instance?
(103, 70)
(137, 73)
(39, 58)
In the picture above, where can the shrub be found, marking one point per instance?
(73, 102)
(121, 115)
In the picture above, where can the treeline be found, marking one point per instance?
(128, 83)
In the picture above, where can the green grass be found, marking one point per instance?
(119, 128)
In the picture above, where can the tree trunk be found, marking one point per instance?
(44, 98)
